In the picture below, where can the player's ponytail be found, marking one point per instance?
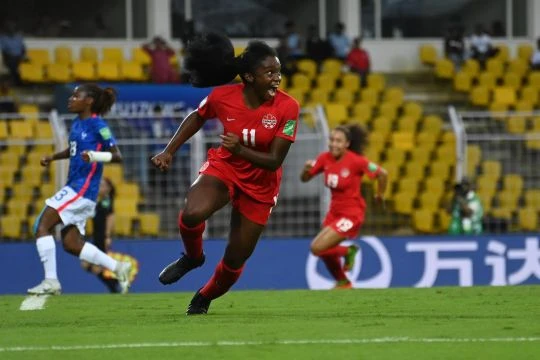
(210, 59)
(356, 135)
(104, 99)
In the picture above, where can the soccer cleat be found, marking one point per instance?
(46, 287)
(350, 258)
(122, 274)
(343, 284)
(199, 305)
(175, 270)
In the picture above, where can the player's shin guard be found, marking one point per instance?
(192, 238)
(333, 264)
(223, 279)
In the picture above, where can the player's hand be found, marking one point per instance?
(162, 160)
(46, 160)
(85, 156)
(309, 165)
(379, 200)
(231, 142)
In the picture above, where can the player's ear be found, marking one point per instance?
(249, 77)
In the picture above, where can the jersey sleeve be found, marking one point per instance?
(207, 107)
(368, 167)
(105, 133)
(289, 122)
(318, 167)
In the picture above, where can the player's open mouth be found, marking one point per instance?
(273, 90)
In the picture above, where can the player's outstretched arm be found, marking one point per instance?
(305, 175)
(271, 160)
(46, 160)
(113, 155)
(382, 183)
(191, 124)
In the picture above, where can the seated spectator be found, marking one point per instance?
(161, 69)
(535, 58)
(358, 60)
(339, 41)
(13, 51)
(454, 46)
(317, 48)
(466, 210)
(293, 40)
(481, 47)
(287, 61)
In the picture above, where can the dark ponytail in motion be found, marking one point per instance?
(357, 136)
(104, 98)
(210, 59)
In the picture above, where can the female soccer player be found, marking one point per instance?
(259, 124)
(343, 166)
(91, 143)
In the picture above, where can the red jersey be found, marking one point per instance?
(344, 178)
(358, 59)
(256, 128)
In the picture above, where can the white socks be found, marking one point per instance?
(93, 255)
(47, 253)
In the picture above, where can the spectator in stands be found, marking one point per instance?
(316, 48)
(293, 40)
(481, 47)
(340, 42)
(161, 70)
(287, 61)
(466, 210)
(13, 51)
(535, 58)
(454, 46)
(358, 60)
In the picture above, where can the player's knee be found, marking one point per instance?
(316, 249)
(192, 216)
(72, 247)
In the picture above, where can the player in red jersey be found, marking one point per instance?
(343, 166)
(259, 126)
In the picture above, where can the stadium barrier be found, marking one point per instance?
(287, 264)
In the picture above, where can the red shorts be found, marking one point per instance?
(347, 225)
(252, 209)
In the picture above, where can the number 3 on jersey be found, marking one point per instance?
(72, 148)
(248, 136)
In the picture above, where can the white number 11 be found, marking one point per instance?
(249, 141)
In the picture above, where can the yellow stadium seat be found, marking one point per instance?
(504, 95)
(362, 112)
(487, 79)
(108, 71)
(17, 149)
(497, 107)
(535, 122)
(60, 73)
(376, 81)
(424, 221)
(446, 152)
(307, 67)
(382, 124)
(397, 156)
(7, 172)
(388, 109)
(503, 53)
(427, 140)
(444, 69)
(373, 154)
(298, 94)
(415, 170)
(479, 96)
(344, 96)
(419, 155)
(440, 169)
(409, 184)
(529, 94)
(88, 54)
(10, 226)
(492, 168)
(403, 203)
(239, 50)
(32, 73)
(434, 185)
(325, 81)
(395, 95)
(430, 201)
(407, 123)
(32, 174)
(149, 224)
(524, 106)
(432, 124)
(125, 206)
(532, 198)
(123, 224)
(4, 134)
(474, 154)
(43, 130)
(84, 71)
(428, 54)
(336, 114)
(63, 55)
(38, 56)
(9, 159)
(47, 190)
(528, 219)
(18, 207)
(512, 80)
(112, 54)
(370, 96)
(413, 109)
(502, 213)
(495, 67)
(377, 140)
(487, 183)
(301, 81)
(534, 79)
(332, 66)
(486, 198)
(472, 67)
(516, 124)
(128, 191)
(350, 82)
(132, 71)
(513, 183)
(138, 55)
(319, 96)
(403, 140)
(508, 199)
(524, 52)
(444, 220)
(462, 81)
(284, 82)
(21, 129)
(22, 191)
(518, 67)
(114, 172)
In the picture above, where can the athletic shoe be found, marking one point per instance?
(343, 284)
(47, 287)
(122, 274)
(175, 270)
(199, 305)
(350, 258)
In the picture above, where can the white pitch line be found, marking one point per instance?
(34, 302)
(383, 340)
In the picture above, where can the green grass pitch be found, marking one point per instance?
(437, 323)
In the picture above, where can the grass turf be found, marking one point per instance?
(459, 317)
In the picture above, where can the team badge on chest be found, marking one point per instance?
(269, 121)
(345, 173)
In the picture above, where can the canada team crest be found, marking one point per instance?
(345, 173)
(269, 121)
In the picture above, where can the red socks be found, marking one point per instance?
(336, 251)
(192, 238)
(333, 264)
(223, 279)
